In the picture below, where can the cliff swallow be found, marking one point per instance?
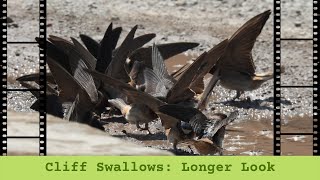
(76, 82)
(236, 67)
(213, 145)
(135, 112)
(208, 131)
(175, 134)
(201, 125)
(77, 58)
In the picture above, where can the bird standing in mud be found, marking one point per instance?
(135, 112)
(236, 69)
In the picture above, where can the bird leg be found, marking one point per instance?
(146, 127)
(175, 143)
(248, 99)
(237, 95)
(190, 149)
(94, 121)
(138, 125)
(111, 111)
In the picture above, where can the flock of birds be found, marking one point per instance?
(135, 80)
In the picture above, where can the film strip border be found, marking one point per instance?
(277, 79)
(42, 80)
(316, 121)
(3, 125)
(277, 76)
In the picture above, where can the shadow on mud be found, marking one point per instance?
(119, 119)
(259, 104)
(144, 137)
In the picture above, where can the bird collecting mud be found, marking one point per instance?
(209, 132)
(135, 112)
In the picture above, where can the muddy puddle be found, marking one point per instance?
(250, 134)
(254, 136)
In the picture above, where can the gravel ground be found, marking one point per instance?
(206, 22)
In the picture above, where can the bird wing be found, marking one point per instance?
(87, 56)
(214, 125)
(153, 84)
(186, 78)
(180, 71)
(193, 116)
(115, 68)
(91, 44)
(139, 41)
(167, 50)
(207, 90)
(212, 57)
(67, 84)
(238, 54)
(29, 86)
(160, 69)
(85, 80)
(58, 54)
(79, 58)
(71, 114)
(115, 36)
(197, 86)
(35, 77)
(105, 51)
(68, 47)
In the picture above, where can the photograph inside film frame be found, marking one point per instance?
(95, 77)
